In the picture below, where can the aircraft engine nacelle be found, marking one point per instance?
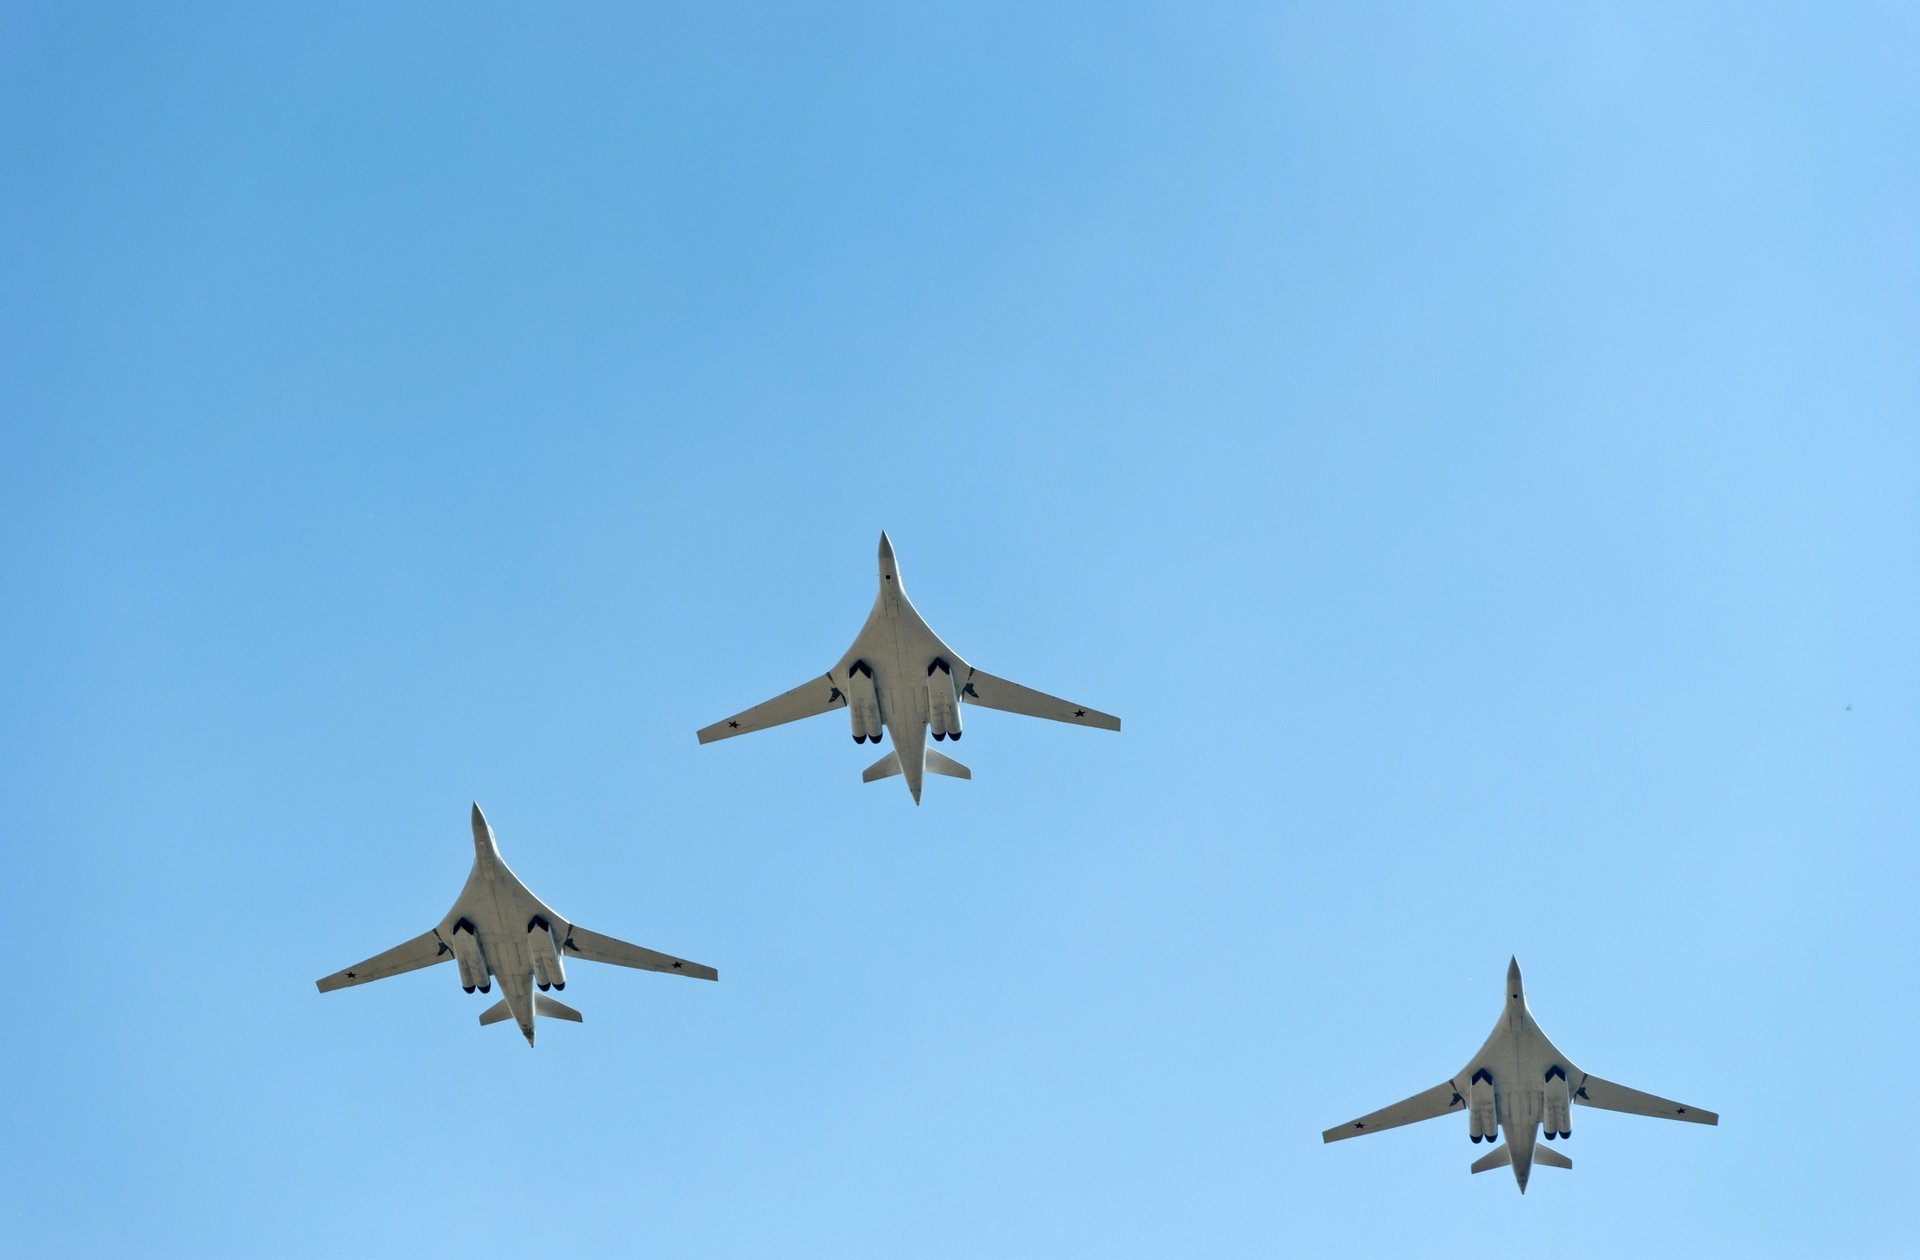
(1559, 1117)
(943, 703)
(1481, 1122)
(863, 703)
(470, 959)
(548, 970)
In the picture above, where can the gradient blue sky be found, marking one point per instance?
(1476, 449)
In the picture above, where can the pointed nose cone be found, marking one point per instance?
(527, 1031)
(890, 592)
(1514, 988)
(482, 832)
(1520, 1175)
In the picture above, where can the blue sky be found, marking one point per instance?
(1474, 449)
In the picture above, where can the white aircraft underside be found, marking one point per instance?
(1517, 1084)
(497, 929)
(901, 678)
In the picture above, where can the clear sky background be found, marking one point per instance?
(1476, 450)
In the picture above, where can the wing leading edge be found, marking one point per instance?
(1425, 1105)
(809, 699)
(423, 950)
(592, 946)
(1595, 1092)
(983, 688)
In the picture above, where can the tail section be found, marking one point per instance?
(909, 732)
(542, 1006)
(1501, 1156)
(937, 763)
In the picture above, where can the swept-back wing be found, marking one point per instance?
(594, 947)
(1425, 1105)
(807, 700)
(1594, 1092)
(997, 693)
(423, 950)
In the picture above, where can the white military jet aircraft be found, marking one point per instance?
(498, 928)
(900, 676)
(1518, 1081)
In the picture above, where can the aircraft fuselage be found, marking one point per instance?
(503, 917)
(900, 682)
(902, 665)
(1522, 1067)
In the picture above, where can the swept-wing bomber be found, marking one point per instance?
(899, 677)
(497, 929)
(1517, 1083)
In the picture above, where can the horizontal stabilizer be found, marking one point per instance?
(1498, 1157)
(1550, 1158)
(881, 769)
(553, 1011)
(946, 765)
(544, 1005)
